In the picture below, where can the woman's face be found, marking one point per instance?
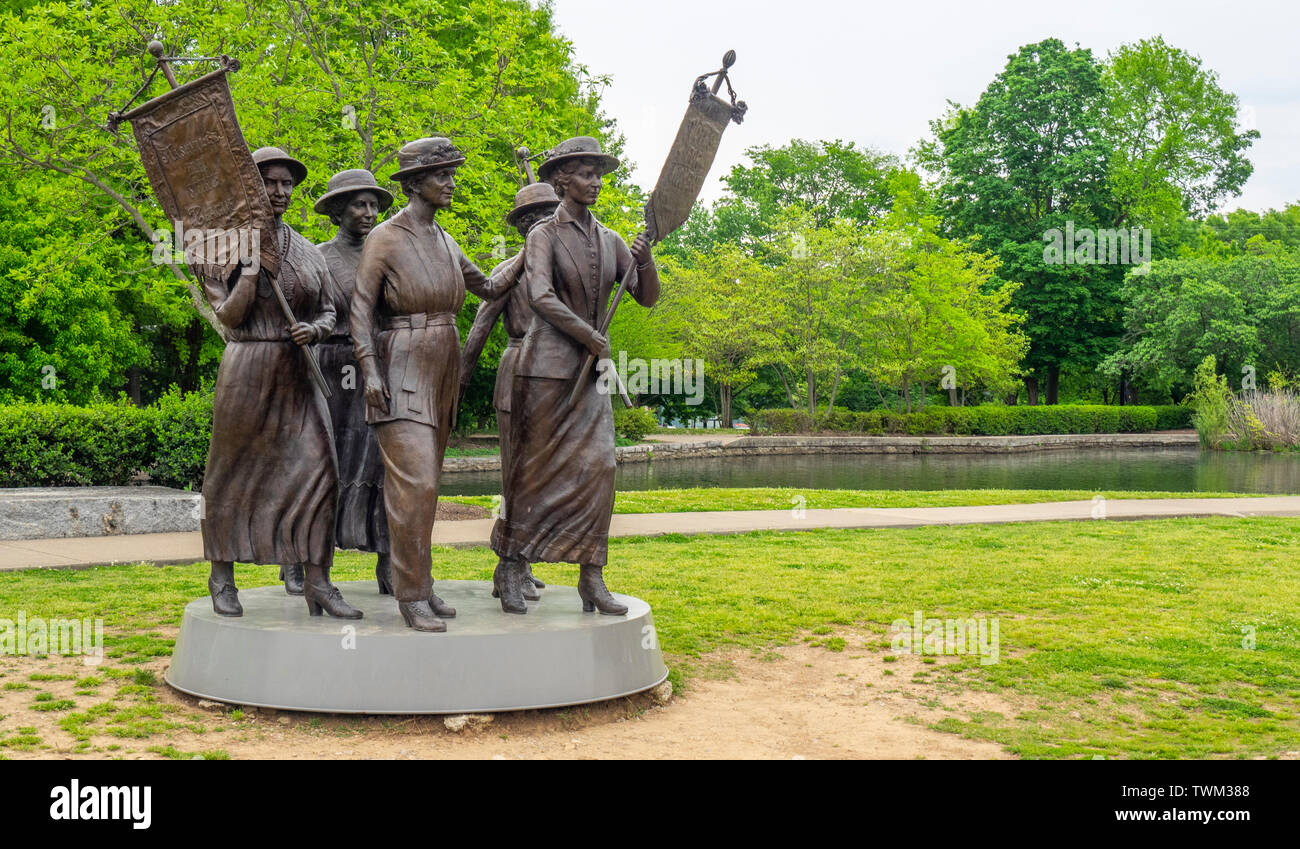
(360, 213)
(438, 186)
(279, 187)
(583, 182)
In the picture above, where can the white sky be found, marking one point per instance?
(877, 73)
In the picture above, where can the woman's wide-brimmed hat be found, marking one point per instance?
(532, 197)
(425, 155)
(265, 156)
(576, 148)
(348, 182)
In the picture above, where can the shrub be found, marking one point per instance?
(65, 445)
(181, 427)
(633, 423)
(106, 444)
(1210, 398)
(989, 420)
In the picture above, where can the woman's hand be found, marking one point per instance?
(641, 250)
(303, 333)
(377, 393)
(598, 345)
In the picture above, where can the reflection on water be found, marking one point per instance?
(1168, 469)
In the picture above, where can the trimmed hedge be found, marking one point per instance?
(106, 444)
(989, 420)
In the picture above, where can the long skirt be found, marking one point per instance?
(361, 524)
(271, 484)
(561, 488)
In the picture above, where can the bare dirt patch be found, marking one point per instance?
(800, 701)
(451, 511)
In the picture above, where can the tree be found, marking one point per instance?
(719, 303)
(817, 285)
(1029, 158)
(936, 308)
(338, 83)
(1243, 311)
(1172, 131)
(827, 179)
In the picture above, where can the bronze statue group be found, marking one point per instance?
(291, 475)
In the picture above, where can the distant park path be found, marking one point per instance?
(188, 547)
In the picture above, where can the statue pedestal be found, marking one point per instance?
(278, 656)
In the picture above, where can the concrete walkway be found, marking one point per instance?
(188, 547)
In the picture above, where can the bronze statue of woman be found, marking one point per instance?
(271, 484)
(534, 203)
(411, 282)
(561, 489)
(353, 201)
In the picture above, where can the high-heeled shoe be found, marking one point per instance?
(594, 594)
(292, 576)
(440, 607)
(531, 578)
(419, 615)
(384, 574)
(527, 586)
(327, 598)
(225, 598)
(507, 585)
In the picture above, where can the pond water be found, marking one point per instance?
(1167, 469)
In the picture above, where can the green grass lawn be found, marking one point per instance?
(770, 498)
(1121, 639)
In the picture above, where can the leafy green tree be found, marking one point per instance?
(719, 301)
(338, 83)
(1243, 311)
(827, 179)
(1030, 157)
(1172, 130)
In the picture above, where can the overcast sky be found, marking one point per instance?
(876, 74)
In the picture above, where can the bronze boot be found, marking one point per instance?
(322, 595)
(291, 574)
(527, 586)
(440, 607)
(507, 585)
(221, 586)
(594, 594)
(418, 615)
(384, 573)
(533, 579)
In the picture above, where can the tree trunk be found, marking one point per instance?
(133, 384)
(1053, 384)
(907, 393)
(1031, 390)
(812, 393)
(725, 406)
(952, 395)
(1012, 398)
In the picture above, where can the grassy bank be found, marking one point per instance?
(1124, 639)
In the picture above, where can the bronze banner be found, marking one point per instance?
(687, 165)
(203, 174)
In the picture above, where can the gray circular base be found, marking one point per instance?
(278, 656)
